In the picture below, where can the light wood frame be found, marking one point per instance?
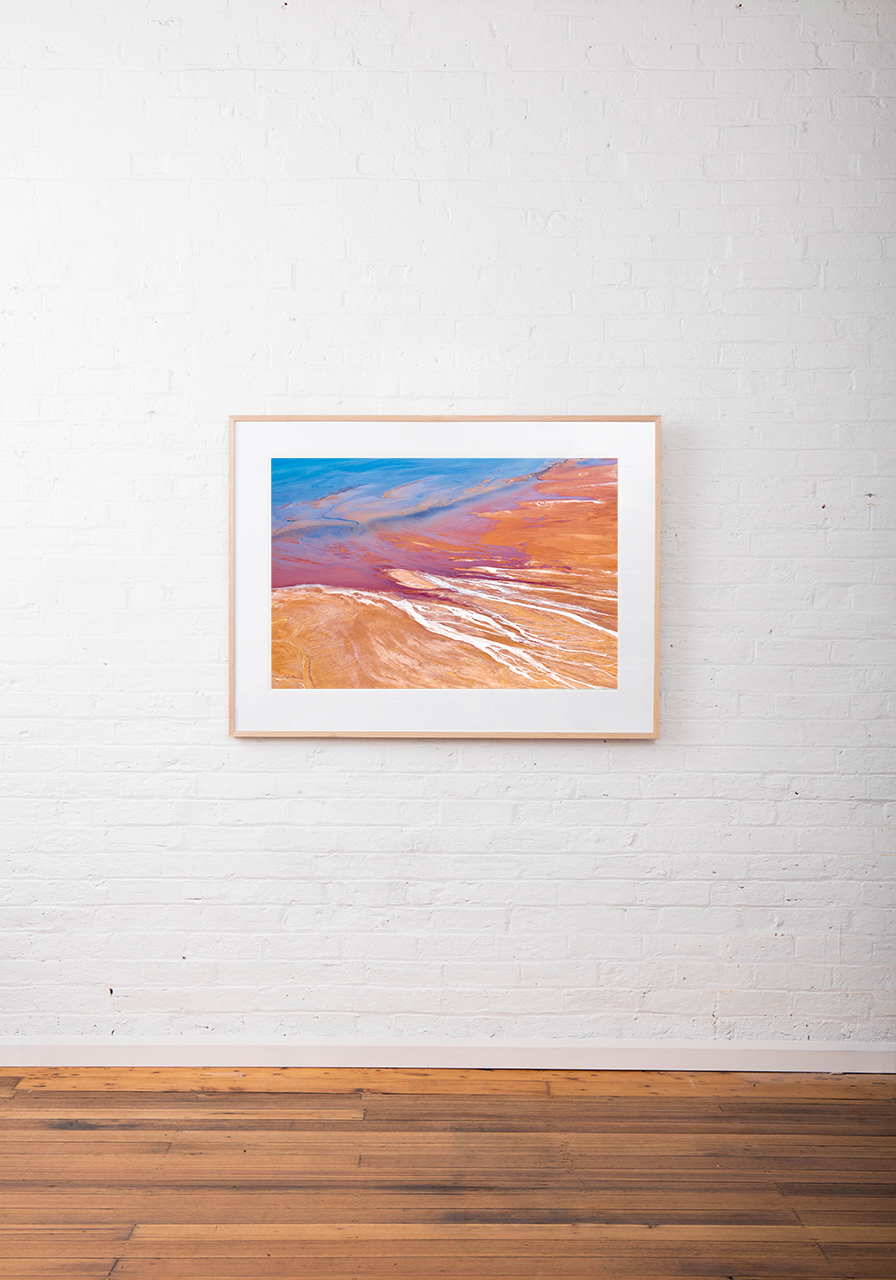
(384, 418)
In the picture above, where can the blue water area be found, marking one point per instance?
(301, 483)
(296, 482)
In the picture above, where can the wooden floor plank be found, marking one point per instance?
(181, 1114)
(542, 1204)
(624, 1183)
(729, 1253)
(770, 1265)
(856, 1219)
(285, 1080)
(297, 1142)
(499, 1235)
(65, 1242)
(233, 1168)
(53, 1268)
(460, 1146)
(49, 1100)
(392, 1080)
(722, 1254)
(788, 1263)
(718, 1084)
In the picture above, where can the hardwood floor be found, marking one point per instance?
(183, 1174)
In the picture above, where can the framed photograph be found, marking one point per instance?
(444, 577)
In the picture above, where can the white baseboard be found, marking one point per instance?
(533, 1054)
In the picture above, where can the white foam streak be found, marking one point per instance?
(505, 594)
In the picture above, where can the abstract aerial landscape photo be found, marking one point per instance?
(443, 573)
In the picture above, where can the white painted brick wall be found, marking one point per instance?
(496, 206)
